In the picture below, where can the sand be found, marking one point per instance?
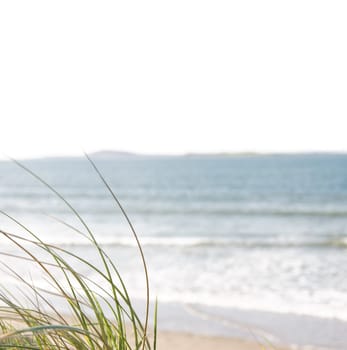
(169, 340)
(185, 341)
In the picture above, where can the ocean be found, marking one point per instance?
(253, 233)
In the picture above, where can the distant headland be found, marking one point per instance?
(119, 154)
(112, 154)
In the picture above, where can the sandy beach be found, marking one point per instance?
(185, 341)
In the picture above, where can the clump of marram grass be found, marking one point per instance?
(100, 315)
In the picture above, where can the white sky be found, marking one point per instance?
(172, 76)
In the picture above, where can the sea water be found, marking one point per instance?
(253, 232)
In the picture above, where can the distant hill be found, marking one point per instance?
(111, 154)
(221, 154)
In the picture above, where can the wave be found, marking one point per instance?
(202, 242)
(238, 212)
(158, 210)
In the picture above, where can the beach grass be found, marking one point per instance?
(97, 315)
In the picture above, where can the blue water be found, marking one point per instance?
(267, 233)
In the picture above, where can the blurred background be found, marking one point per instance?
(220, 126)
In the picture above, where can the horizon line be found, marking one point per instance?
(106, 153)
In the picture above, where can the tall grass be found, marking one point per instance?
(96, 316)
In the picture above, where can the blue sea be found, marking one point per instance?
(261, 235)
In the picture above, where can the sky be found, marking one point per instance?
(172, 77)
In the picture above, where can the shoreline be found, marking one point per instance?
(234, 328)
